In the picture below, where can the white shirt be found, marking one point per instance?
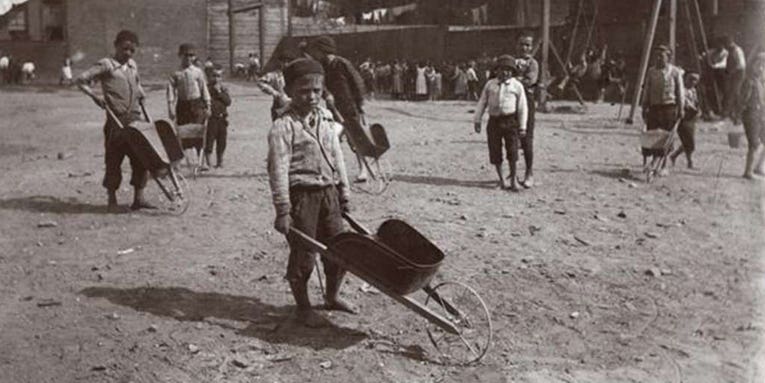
(4, 62)
(503, 98)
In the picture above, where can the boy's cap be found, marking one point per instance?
(505, 61)
(126, 35)
(663, 48)
(300, 68)
(186, 49)
(323, 44)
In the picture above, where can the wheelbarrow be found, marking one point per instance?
(157, 147)
(398, 261)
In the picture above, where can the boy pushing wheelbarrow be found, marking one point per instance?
(122, 93)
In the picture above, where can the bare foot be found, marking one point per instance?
(748, 176)
(141, 204)
(339, 304)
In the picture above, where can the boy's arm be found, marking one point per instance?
(357, 86)
(342, 188)
(84, 79)
(202, 82)
(279, 155)
(171, 98)
(680, 95)
(481, 107)
(522, 108)
(224, 96)
(531, 75)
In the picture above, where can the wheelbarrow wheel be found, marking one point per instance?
(174, 193)
(462, 306)
(380, 175)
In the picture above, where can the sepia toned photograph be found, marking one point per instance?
(393, 191)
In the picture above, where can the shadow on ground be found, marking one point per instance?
(48, 204)
(440, 181)
(266, 322)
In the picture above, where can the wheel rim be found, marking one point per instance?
(468, 312)
(380, 177)
(181, 194)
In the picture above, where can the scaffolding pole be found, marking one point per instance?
(646, 55)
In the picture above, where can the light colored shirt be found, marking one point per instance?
(503, 98)
(471, 75)
(717, 58)
(190, 84)
(120, 83)
(4, 62)
(664, 86)
(304, 153)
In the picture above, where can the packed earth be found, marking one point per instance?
(593, 275)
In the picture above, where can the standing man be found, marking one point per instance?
(123, 94)
(346, 87)
(664, 100)
(5, 65)
(735, 71)
(527, 72)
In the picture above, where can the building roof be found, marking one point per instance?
(6, 5)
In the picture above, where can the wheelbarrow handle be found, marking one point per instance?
(143, 109)
(310, 242)
(113, 116)
(356, 225)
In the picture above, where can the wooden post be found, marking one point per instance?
(262, 34)
(545, 54)
(574, 30)
(231, 36)
(646, 56)
(715, 7)
(673, 29)
(705, 47)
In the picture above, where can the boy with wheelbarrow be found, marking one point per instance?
(309, 184)
(123, 94)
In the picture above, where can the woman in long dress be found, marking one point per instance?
(398, 81)
(421, 86)
(460, 82)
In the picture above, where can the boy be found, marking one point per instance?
(308, 183)
(752, 110)
(664, 100)
(188, 99)
(121, 87)
(344, 85)
(218, 121)
(527, 70)
(505, 98)
(687, 128)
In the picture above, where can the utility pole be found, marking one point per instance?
(673, 29)
(545, 54)
(231, 36)
(648, 43)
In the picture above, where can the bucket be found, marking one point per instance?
(734, 139)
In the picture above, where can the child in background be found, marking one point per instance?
(188, 99)
(527, 70)
(687, 128)
(505, 99)
(309, 184)
(66, 73)
(217, 124)
(752, 110)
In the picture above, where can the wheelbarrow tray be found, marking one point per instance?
(155, 144)
(367, 141)
(397, 257)
(192, 135)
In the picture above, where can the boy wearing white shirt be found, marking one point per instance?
(505, 99)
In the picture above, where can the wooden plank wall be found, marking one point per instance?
(247, 28)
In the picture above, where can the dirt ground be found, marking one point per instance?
(592, 276)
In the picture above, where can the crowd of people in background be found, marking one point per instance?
(14, 71)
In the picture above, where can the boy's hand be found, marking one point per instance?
(170, 114)
(522, 133)
(477, 127)
(282, 223)
(345, 206)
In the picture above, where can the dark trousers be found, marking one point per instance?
(117, 145)
(190, 112)
(660, 117)
(754, 127)
(687, 133)
(316, 212)
(217, 134)
(527, 141)
(502, 130)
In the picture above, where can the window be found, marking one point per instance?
(17, 24)
(53, 20)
